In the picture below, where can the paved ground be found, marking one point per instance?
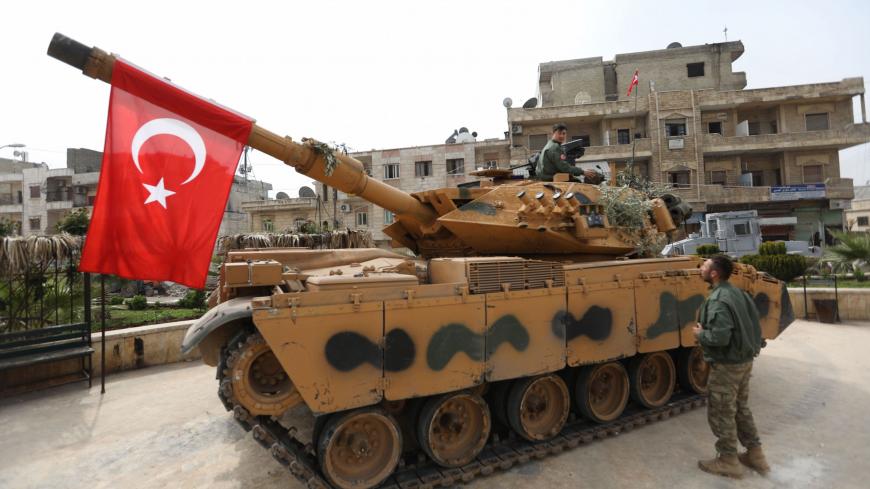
(164, 427)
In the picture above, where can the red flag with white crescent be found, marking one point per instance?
(168, 166)
(632, 84)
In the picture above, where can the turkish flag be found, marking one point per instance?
(632, 84)
(168, 167)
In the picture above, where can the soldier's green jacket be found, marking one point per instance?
(732, 330)
(551, 163)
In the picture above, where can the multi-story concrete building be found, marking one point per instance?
(858, 217)
(692, 124)
(415, 169)
(284, 215)
(35, 198)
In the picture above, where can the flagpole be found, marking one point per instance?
(634, 132)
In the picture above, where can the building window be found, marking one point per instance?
(757, 177)
(714, 127)
(679, 179)
(817, 122)
(34, 191)
(773, 127)
(486, 165)
(718, 177)
(623, 136)
(813, 174)
(741, 229)
(675, 127)
(423, 169)
(34, 223)
(389, 217)
(538, 141)
(362, 219)
(325, 192)
(391, 171)
(863, 221)
(268, 225)
(695, 69)
(456, 166)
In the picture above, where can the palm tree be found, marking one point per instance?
(852, 250)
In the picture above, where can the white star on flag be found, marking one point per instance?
(157, 193)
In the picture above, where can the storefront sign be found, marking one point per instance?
(798, 192)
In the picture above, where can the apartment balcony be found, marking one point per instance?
(813, 92)
(851, 135)
(567, 113)
(642, 150)
(702, 196)
(282, 204)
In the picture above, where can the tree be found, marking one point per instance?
(853, 250)
(75, 223)
(8, 228)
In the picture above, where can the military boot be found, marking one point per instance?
(726, 465)
(754, 459)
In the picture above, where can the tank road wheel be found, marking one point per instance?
(601, 391)
(537, 407)
(359, 448)
(258, 381)
(453, 428)
(693, 370)
(652, 378)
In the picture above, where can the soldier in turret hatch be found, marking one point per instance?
(553, 159)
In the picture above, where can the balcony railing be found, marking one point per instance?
(848, 136)
(10, 199)
(642, 149)
(832, 189)
(59, 195)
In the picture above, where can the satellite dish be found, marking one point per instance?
(306, 192)
(282, 196)
(507, 102)
(674, 45)
(531, 103)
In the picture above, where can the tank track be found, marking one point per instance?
(503, 451)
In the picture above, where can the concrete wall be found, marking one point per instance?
(854, 304)
(159, 344)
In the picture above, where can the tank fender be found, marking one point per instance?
(237, 310)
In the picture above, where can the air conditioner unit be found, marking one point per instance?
(517, 129)
(344, 207)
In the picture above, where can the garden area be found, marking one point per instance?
(847, 262)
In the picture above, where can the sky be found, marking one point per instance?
(379, 75)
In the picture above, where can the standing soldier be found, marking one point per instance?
(730, 336)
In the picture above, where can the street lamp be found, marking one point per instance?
(13, 145)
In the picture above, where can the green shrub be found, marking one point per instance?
(783, 267)
(194, 299)
(772, 248)
(707, 250)
(137, 303)
(116, 300)
(859, 274)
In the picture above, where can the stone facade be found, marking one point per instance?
(722, 147)
(283, 215)
(858, 217)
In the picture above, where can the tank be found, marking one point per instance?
(525, 323)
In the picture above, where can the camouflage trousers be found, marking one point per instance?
(728, 407)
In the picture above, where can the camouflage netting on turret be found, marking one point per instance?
(628, 206)
(331, 240)
(19, 255)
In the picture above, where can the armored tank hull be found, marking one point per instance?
(394, 360)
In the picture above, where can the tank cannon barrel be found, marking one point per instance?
(348, 176)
